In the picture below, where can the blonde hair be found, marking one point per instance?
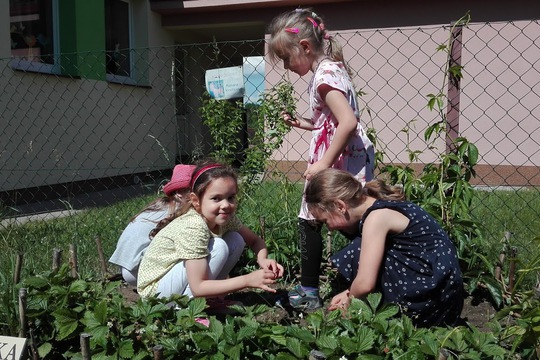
(329, 185)
(286, 29)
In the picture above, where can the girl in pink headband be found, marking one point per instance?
(193, 252)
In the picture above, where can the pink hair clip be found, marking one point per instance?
(292, 30)
(312, 21)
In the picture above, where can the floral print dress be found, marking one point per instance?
(358, 156)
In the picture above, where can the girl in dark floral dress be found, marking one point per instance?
(401, 250)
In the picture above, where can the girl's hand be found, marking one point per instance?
(289, 119)
(261, 279)
(272, 265)
(340, 302)
(313, 169)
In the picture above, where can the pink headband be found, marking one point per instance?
(201, 171)
(294, 30)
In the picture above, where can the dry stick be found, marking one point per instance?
(85, 346)
(102, 259)
(57, 257)
(512, 269)
(498, 268)
(22, 312)
(73, 264)
(262, 222)
(33, 346)
(18, 268)
(158, 352)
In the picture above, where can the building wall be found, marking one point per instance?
(78, 107)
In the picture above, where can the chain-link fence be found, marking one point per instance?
(94, 128)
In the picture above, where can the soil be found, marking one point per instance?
(475, 313)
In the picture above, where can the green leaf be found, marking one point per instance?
(279, 339)
(374, 300)
(100, 312)
(232, 352)
(493, 350)
(44, 349)
(285, 356)
(99, 333)
(327, 342)
(430, 345)
(246, 332)
(78, 286)
(66, 322)
(125, 349)
(494, 288)
(386, 312)
(197, 305)
(303, 334)
(365, 339)
(294, 345)
(36, 282)
(229, 334)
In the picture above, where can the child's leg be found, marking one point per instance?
(175, 281)
(235, 244)
(311, 247)
(306, 296)
(130, 276)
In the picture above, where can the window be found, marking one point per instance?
(117, 40)
(33, 31)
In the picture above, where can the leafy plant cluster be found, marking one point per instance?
(443, 187)
(263, 123)
(61, 307)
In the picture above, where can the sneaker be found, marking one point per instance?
(305, 299)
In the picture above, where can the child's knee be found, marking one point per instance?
(235, 241)
(219, 247)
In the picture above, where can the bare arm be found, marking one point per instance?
(257, 244)
(376, 228)
(201, 286)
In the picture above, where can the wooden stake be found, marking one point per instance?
(158, 352)
(57, 259)
(512, 269)
(328, 246)
(85, 346)
(33, 346)
(443, 354)
(18, 268)
(73, 264)
(316, 355)
(102, 259)
(498, 268)
(22, 312)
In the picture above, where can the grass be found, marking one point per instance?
(514, 211)
(274, 204)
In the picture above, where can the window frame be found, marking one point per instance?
(121, 79)
(39, 67)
